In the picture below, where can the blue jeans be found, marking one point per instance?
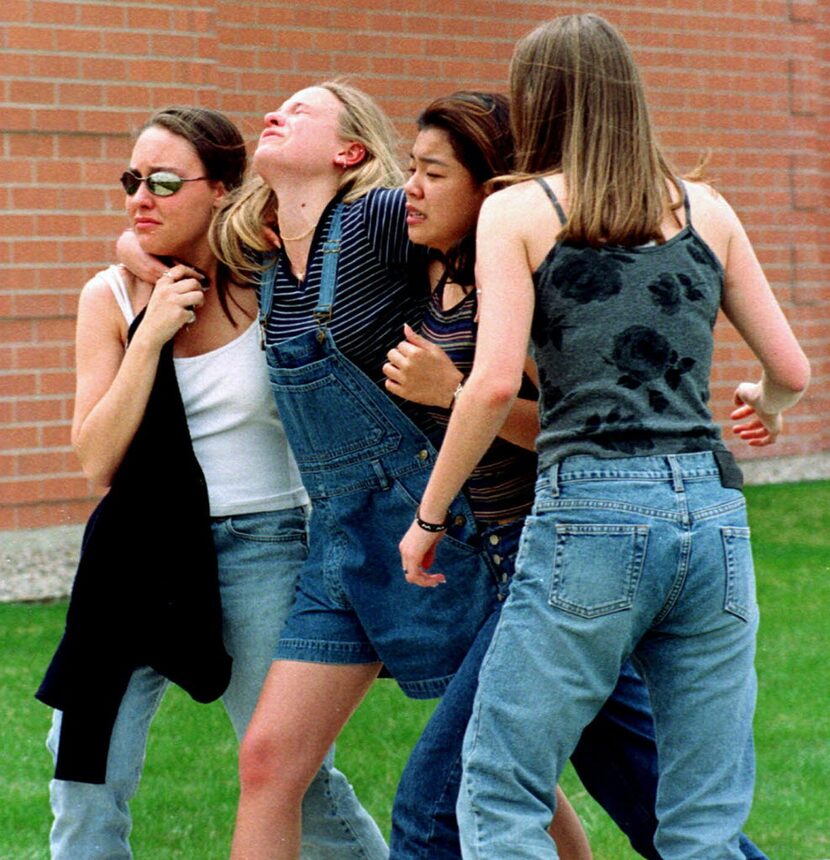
(259, 557)
(616, 757)
(641, 557)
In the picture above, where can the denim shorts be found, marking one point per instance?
(365, 466)
(353, 604)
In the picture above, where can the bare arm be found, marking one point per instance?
(521, 427)
(488, 395)
(130, 254)
(750, 305)
(113, 386)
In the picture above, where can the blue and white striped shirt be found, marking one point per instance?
(379, 283)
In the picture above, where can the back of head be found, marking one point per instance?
(578, 107)
(363, 121)
(215, 138)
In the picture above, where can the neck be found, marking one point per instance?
(435, 271)
(300, 207)
(201, 259)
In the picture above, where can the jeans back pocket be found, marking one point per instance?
(740, 572)
(596, 568)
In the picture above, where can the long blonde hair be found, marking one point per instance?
(236, 229)
(578, 107)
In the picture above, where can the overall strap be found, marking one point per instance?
(328, 278)
(553, 199)
(266, 297)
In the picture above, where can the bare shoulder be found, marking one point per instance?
(97, 294)
(709, 206)
(521, 205)
(98, 307)
(713, 218)
(511, 195)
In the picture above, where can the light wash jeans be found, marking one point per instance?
(259, 558)
(641, 557)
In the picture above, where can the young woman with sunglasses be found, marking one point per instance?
(168, 369)
(637, 546)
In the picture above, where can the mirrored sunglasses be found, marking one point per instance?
(161, 184)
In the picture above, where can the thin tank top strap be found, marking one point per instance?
(553, 199)
(686, 205)
(114, 278)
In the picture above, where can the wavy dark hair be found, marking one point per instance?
(221, 149)
(477, 125)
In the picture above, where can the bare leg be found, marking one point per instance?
(566, 830)
(301, 710)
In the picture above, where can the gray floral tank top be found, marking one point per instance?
(623, 341)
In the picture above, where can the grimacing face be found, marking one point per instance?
(443, 199)
(301, 135)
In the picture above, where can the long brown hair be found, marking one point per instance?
(237, 228)
(578, 107)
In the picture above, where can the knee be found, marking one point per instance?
(269, 763)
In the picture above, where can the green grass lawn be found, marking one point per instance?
(186, 804)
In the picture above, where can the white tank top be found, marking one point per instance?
(237, 435)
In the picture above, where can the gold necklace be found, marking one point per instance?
(285, 238)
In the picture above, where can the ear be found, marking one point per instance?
(350, 155)
(219, 192)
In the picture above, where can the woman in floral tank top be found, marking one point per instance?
(637, 546)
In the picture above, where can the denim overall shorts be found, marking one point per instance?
(365, 466)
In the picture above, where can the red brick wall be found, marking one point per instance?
(748, 78)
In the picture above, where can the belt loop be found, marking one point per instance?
(553, 477)
(676, 474)
(383, 478)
